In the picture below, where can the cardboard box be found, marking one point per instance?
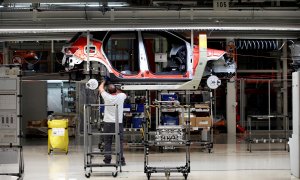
(37, 123)
(192, 121)
(204, 106)
(203, 122)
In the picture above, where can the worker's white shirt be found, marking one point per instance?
(110, 111)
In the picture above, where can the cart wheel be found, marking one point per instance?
(114, 174)
(67, 152)
(209, 150)
(161, 149)
(87, 175)
(148, 176)
(167, 174)
(185, 175)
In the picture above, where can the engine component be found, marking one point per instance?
(169, 135)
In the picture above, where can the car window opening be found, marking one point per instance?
(121, 49)
(166, 54)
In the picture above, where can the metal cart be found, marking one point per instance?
(93, 127)
(260, 130)
(168, 137)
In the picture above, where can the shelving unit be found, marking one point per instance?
(133, 117)
(201, 120)
(68, 99)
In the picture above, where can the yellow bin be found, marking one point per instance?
(58, 137)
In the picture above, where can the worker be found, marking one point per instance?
(114, 96)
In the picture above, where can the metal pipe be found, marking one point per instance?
(52, 57)
(84, 132)
(285, 83)
(269, 106)
(88, 51)
(242, 101)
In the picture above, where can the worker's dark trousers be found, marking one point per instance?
(110, 128)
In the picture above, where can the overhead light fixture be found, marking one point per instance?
(110, 4)
(141, 27)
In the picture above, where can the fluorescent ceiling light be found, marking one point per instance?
(110, 4)
(20, 5)
(141, 27)
(91, 4)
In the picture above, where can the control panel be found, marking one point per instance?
(8, 121)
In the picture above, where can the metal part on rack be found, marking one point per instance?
(169, 135)
(93, 128)
(11, 151)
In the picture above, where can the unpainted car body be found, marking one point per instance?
(142, 56)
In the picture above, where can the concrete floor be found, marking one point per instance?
(227, 162)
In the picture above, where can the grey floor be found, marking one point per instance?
(226, 162)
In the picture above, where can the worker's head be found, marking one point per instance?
(111, 89)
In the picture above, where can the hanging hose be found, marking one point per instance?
(247, 44)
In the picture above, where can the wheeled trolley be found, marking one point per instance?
(261, 130)
(93, 129)
(168, 137)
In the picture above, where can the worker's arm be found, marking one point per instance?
(101, 87)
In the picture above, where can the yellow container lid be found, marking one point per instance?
(58, 123)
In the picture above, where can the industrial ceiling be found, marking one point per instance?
(59, 20)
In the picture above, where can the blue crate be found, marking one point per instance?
(140, 108)
(170, 120)
(169, 97)
(137, 122)
(127, 107)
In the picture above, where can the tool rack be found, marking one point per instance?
(93, 127)
(171, 140)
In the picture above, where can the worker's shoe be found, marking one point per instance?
(106, 161)
(123, 163)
